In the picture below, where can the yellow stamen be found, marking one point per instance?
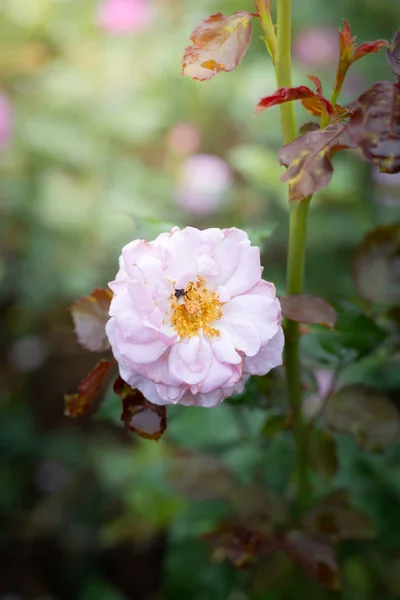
(199, 309)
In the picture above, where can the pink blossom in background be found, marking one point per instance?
(6, 121)
(119, 16)
(191, 318)
(317, 47)
(183, 138)
(203, 182)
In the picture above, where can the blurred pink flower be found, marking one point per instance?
(183, 138)
(191, 318)
(203, 181)
(6, 121)
(317, 46)
(118, 16)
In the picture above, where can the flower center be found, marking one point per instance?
(195, 308)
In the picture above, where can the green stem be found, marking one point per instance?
(295, 274)
(296, 259)
(283, 68)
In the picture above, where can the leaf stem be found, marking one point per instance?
(296, 259)
(263, 8)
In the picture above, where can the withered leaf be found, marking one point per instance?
(393, 54)
(308, 309)
(365, 413)
(375, 266)
(138, 414)
(374, 125)
(334, 517)
(315, 555)
(90, 315)
(308, 159)
(219, 44)
(240, 544)
(79, 404)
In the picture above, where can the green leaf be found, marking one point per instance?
(355, 335)
(323, 454)
(274, 424)
(365, 413)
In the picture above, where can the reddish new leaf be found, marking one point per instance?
(138, 414)
(284, 95)
(90, 315)
(308, 159)
(315, 555)
(314, 102)
(393, 54)
(349, 53)
(375, 125)
(368, 48)
(308, 309)
(79, 404)
(219, 44)
(375, 267)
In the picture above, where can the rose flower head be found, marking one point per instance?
(191, 318)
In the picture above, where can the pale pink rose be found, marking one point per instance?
(6, 119)
(191, 317)
(317, 46)
(118, 16)
(204, 180)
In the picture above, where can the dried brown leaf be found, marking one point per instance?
(308, 159)
(334, 517)
(374, 125)
(375, 267)
(303, 308)
(315, 555)
(79, 404)
(240, 544)
(393, 54)
(139, 415)
(219, 44)
(365, 413)
(90, 315)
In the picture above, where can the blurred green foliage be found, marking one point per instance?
(86, 511)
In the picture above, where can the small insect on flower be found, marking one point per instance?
(180, 296)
